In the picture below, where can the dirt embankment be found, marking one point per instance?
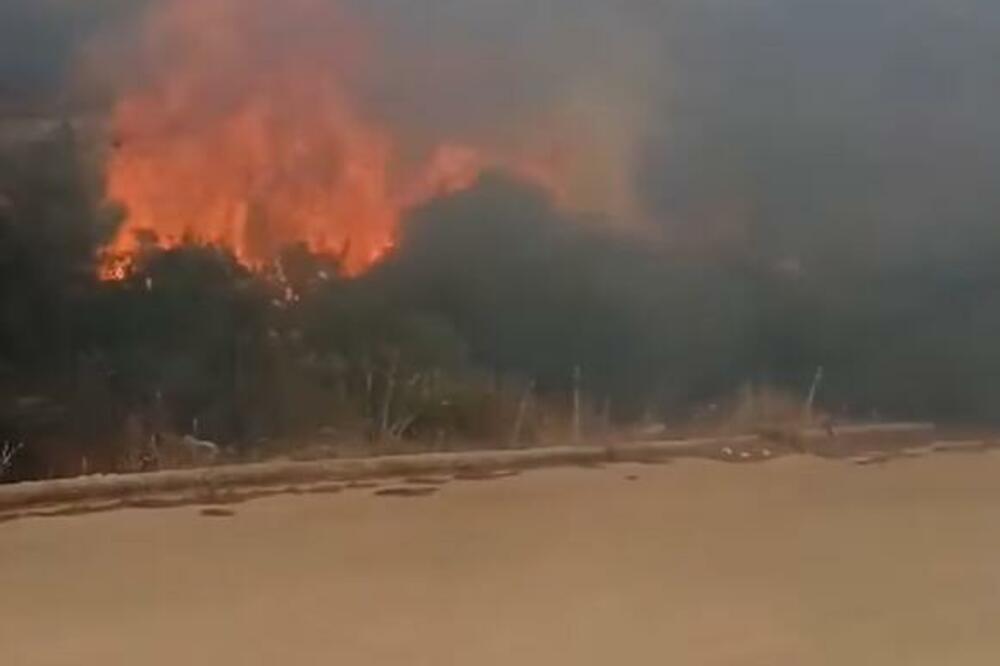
(123, 486)
(213, 483)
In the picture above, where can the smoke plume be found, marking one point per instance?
(809, 182)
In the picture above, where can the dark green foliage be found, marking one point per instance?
(491, 288)
(182, 328)
(50, 225)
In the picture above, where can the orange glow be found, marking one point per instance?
(243, 133)
(453, 168)
(249, 149)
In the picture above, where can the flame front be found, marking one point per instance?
(222, 144)
(241, 130)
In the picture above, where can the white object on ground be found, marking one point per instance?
(203, 449)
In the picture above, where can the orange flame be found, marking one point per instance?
(252, 150)
(243, 134)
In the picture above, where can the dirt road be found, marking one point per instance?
(798, 562)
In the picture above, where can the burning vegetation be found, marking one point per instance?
(224, 143)
(387, 224)
(241, 129)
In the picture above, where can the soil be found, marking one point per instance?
(797, 561)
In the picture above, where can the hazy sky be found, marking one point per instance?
(794, 124)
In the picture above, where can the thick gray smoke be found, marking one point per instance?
(786, 124)
(842, 152)
(795, 127)
(40, 47)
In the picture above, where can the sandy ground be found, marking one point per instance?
(795, 562)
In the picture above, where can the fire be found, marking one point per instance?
(243, 132)
(456, 167)
(251, 150)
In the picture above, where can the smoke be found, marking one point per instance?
(571, 81)
(860, 131)
(786, 124)
(822, 173)
(41, 43)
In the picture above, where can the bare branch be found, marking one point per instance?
(8, 451)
